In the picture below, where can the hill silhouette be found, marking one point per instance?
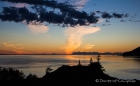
(78, 75)
(135, 52)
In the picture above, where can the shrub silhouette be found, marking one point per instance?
(11, 73)
(48, 70)
(31, 76)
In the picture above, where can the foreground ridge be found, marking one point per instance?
(80, 75)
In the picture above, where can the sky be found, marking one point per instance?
(108, 34)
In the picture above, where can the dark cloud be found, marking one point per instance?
(41, 15)
(17, 15)
(112, 15)
(106, 15)
(64, 7)
(107, 21)
(116, 15)
(68, 16)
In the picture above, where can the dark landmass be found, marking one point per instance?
(78, 75)
(85, 53)
(135, 52)
(96, 53)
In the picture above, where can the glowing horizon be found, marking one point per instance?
(108, 34)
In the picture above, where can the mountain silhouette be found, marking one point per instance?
(134, 52)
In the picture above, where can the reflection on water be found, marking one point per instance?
(116, 66)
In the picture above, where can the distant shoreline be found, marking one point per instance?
(59, 54)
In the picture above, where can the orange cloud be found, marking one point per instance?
(74, 37)
(19, 51)
(88, 46)
(20, 48)
(16, 47)
(36, 29)
(9, 45)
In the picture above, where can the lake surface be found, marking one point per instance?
(115, 66)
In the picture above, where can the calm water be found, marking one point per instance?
(116, 66)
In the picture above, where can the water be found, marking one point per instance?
(116, 66)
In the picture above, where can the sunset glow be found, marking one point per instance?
(99, 28)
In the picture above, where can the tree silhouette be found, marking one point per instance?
(91, 61)
(98, 58)
(11, 73)
(48, 70)
(79, 63)
(31, 76)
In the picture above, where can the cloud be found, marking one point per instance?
(113, 15)
(20, 48)
(88, 46)
(36, 29)
(68, 15)
(74, 37)
(18, 15)
(18, 5)
(17, 48)
(76, 3)
(48, 3)
(80, 3)
(9, 45)
(19, 51)
(73, 17)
